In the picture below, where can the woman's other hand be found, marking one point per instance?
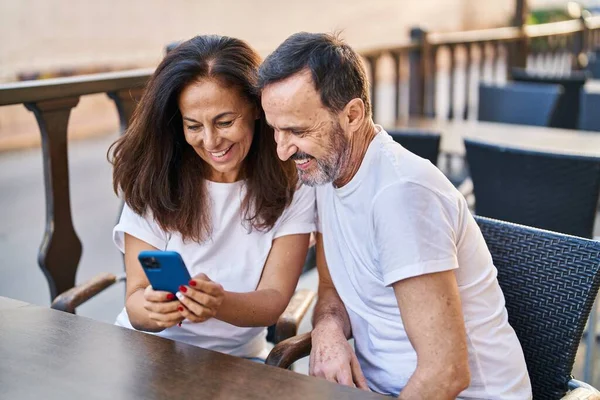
(201, 299)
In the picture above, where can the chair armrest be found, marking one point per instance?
(581, 391)
(288, 323)
(290, 350)
(74, 297)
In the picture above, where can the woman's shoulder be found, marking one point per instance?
(304, 194)
(299, 216)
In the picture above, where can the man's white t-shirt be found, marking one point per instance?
(232, 256)
(399, 217)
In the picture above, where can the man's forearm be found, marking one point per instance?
(446, 383)
(330, 309)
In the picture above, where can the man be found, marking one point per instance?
(403, 267)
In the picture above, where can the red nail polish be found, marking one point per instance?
(179, 324)
(192, 283)
(170, 296)
(180, 309)
(182, 289)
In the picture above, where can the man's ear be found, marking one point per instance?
(354, 112)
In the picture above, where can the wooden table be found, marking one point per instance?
(48, 354)
(564, 141)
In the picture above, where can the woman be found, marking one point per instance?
(199, 174)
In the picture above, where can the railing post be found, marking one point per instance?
(126, 101)
(60, 250)
(580, 46)
(521, 48)
(417, 60)
(451, 80)
(521, 11)
(372, 60)
(397, 77)
(468, 71)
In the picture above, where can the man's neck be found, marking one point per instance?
(359, 144)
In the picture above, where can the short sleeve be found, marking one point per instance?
(144, 228)
(414, 232)
(299, 216)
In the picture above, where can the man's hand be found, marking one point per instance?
(332, 357)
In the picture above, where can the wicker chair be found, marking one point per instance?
(423, 144)
(518, 103)
(550, 281)
(545, 190)
(566, 112)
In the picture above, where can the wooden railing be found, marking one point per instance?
(554, 48)
(52, 101)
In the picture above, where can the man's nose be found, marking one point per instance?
(285, 147)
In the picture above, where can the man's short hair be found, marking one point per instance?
(337, 70)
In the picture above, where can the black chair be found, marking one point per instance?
(518, 103)
(546, 190)
(566, 113)
(549, 281)
(589, 115)
(423, 144)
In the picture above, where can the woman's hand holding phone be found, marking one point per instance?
(161, 307)
(200, 299)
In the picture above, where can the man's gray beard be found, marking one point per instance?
(329, 168)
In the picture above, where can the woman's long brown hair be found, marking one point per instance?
(157, 171)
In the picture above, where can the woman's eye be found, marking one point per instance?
(193, 128)
(224, 124)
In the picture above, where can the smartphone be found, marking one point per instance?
(165, 270)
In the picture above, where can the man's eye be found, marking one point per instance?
(297, 133)
(224, 124)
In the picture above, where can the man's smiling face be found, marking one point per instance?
(305, 130)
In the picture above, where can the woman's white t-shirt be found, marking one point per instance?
(232, 256)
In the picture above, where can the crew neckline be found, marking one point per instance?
(364, 165)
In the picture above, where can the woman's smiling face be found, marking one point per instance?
(218, 122)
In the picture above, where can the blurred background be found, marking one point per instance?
(44, 39)
(63, 38)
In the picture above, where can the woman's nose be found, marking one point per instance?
(211, 139)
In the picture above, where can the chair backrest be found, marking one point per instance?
(423, 144)
(518, 103)
(589, 114)
(549, 281)
(566, 112)
(546, 190)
